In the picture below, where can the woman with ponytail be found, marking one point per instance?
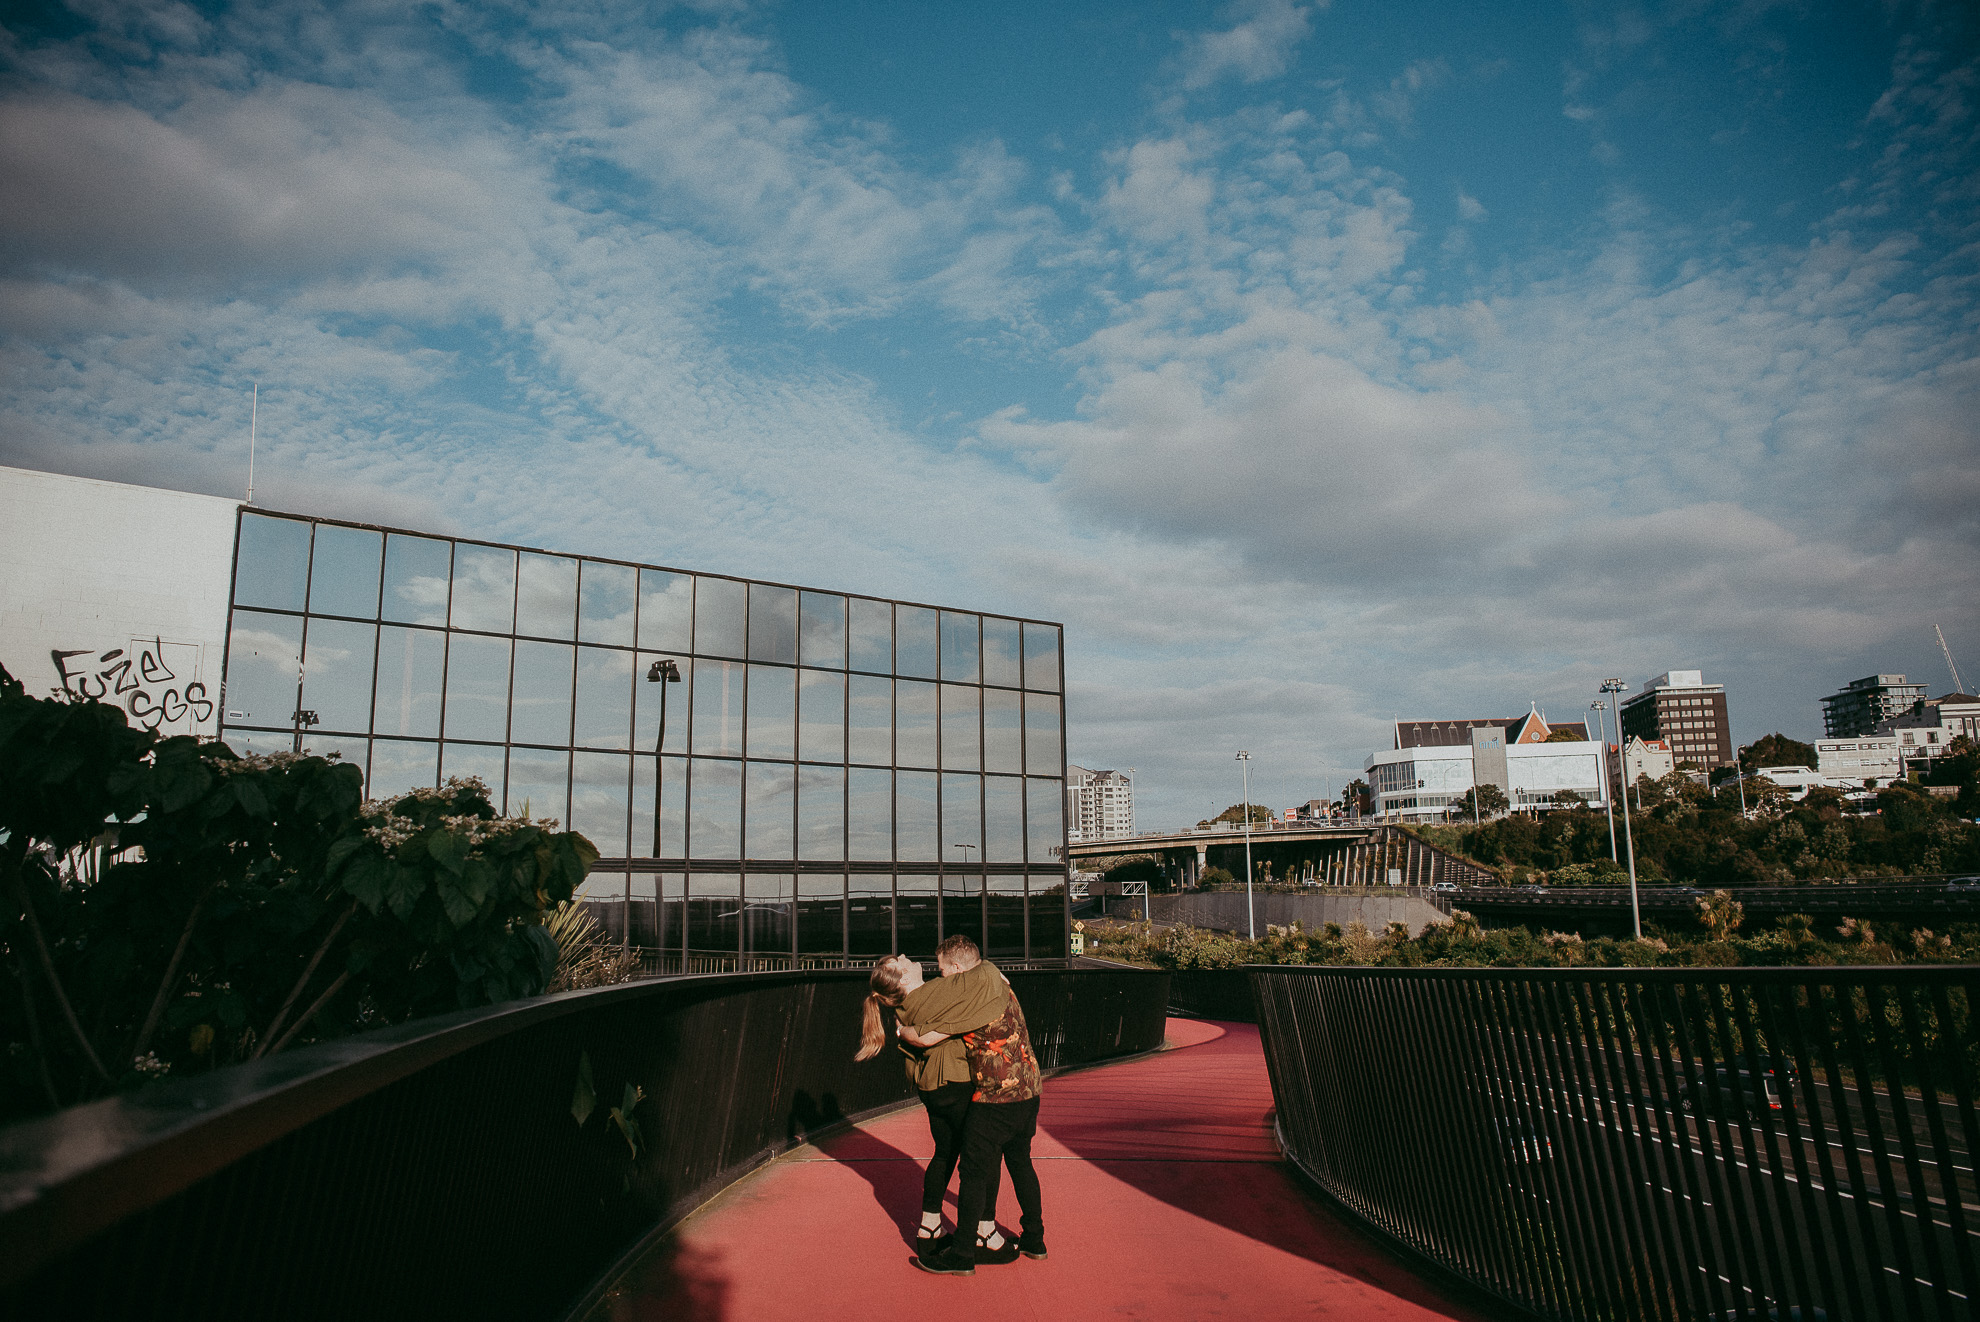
(941, 1078)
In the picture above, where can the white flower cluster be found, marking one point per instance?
(149, 1065)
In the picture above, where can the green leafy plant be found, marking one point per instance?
(172, 906)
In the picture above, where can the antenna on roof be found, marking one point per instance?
(254, 413)
(1958, 687)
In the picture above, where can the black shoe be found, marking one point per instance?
(996, 1257)
(1032, 1248)
(946, 1263)
(928, 1246)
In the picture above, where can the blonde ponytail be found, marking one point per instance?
(886, 985)
(871, 1035)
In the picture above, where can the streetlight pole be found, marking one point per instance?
(663, 672)
(1250, 914)
(1608, 786)
(1612, 687)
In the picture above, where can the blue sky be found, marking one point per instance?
(1316, 364)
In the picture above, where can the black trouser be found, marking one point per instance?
(948, 1108)
(997, 1132)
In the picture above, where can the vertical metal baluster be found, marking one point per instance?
(1769, 1177)
(1734, 1249)
(1907, 1138)
(1899, 1260)
(1951, 1298)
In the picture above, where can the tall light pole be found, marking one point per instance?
(662, 672)
(1250, 917)
(1608, 787)
(1612, 687)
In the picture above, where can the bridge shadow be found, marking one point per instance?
(1192, 1129)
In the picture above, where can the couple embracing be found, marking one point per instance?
(970, 1058)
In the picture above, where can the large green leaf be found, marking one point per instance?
(449, 849)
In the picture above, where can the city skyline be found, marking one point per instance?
(1317, 365)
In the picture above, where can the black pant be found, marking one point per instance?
(998, 1132)
(948, 1109)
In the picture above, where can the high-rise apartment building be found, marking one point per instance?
(1099, 804)
(1679, 709)
(1866, 702)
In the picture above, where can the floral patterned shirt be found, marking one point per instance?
(1000, 1055)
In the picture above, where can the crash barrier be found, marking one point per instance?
(499, 1163)
(1633, 1143)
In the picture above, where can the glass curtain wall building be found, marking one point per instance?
(832, 776)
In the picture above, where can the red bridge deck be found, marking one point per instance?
(1165, 1197)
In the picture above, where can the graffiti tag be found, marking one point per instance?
(140, 678)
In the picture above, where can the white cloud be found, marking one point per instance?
(1260, 47)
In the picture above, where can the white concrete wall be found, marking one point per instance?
(118, 592)
(1544, 768)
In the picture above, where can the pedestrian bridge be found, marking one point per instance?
(1409, 1143)
(1369, 854)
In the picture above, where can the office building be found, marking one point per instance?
(1435, 763)
(1927, 730)
(1680, 710)
(1864, 703)
(1099, 804)
(1860, 763)
(838, 775)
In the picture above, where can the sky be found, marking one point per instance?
(1315, 364)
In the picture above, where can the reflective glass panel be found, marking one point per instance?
(540, 783)
(346, 749)
(1000, 652)
(398, 765)
(718, 708)
(604, 698)
(822, 630)
(264, 661)
(337, 675)
(272, 568)
(601, 785)
(961, 730)
(649, 694)
(821, 829)
(869, 719)
(769, 814)
(1003, 819)
(959, 647)
(916, 645)
(767, 913)
(821, 914)
(343, 572)
(416, 572)
(487, 763)
(672, 840)
(915, 723)
(962, 820)
(917, 920)
(962, 906)
(607, 598)
(870, 636)
(715, 809)
(821, 716)
(1041, 657)
(666, 612)
(915, 817)
(1044, 820)
(540, 708)
(718, 616)
(477, 688)
(870, 814)
(1042, 754)
(714, 912)
(411, 666)
(1046, 909)
(546, 596)
(1003, 731)
(1005, 929)
(260, 742)
(870, 915)
(772, 711)
(772, 623)
(484, 588)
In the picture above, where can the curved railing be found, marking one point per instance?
(1633, 1143)
(439, 1169)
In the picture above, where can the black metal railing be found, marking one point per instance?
(1630, 1143)
(439, 1169)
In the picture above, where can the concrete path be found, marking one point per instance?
(1165, 1198)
